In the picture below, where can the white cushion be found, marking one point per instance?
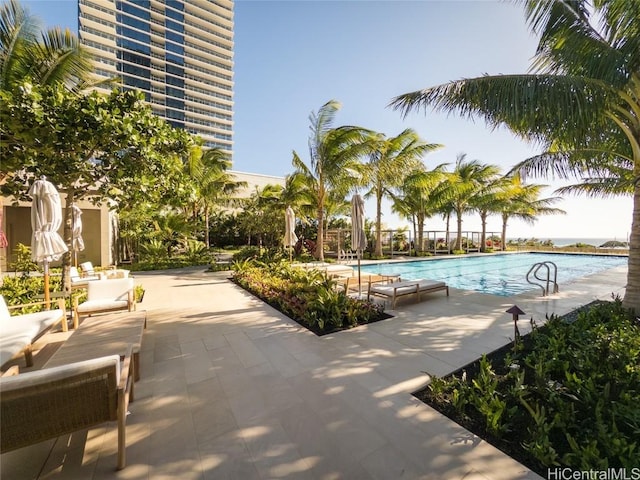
(102, 304)
(43, 319)
(115, 289)
(19, 331)
(14, 337)
(408, 286)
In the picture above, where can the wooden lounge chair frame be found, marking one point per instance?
(45, 404)
(407, 287)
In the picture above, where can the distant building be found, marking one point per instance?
(179, 53)
(255, 181)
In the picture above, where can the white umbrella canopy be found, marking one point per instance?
(290, 237)
(46, 218)
(77, 244)
(358, 237)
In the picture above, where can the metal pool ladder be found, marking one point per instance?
(547, 282)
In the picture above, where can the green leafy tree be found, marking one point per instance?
(389, 163)
(90, 146)
(334, 162)
(582, 101)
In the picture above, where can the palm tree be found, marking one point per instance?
(487, 201)
(468, 179)
(390, 161)
(45, 58)
(415, 202)
(216, 186)
(517, 200)
(582, 101)
(334, 162)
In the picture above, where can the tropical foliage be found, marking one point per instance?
(566, 395)
(334, 166)
(581, 103)
(51, 57)
(308, 297)
(390, 161)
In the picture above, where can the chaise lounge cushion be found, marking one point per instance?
(18, 332)
(407, 287)
(102, 304)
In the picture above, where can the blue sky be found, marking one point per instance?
(291, 57)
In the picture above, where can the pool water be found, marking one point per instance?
(502, 274)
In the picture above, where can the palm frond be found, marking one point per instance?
(300, 166)
(578, 164)
(18, 32)
(60, 58)
(598, 188)
(535, 107)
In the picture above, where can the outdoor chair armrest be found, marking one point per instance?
(59, 301)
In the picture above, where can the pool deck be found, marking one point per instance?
(232, 389)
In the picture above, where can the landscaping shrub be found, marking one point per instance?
(567, 395)
(307, 296)
(24, 288)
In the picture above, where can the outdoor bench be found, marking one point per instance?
(406, 287)
(19, 332)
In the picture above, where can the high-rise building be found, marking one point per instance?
(179, 53)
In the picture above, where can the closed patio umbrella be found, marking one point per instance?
(46, 218)
(358, 238)
(77, 244)
(290, 237)
(4, 243)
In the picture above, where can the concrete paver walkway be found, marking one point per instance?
(232, 389)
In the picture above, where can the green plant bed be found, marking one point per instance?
(306, 296)
(567, 396)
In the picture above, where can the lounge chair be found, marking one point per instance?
(80, 281)
(45, 404)
(19, 332)
(407, 287)
(105, 296)
(87, 269)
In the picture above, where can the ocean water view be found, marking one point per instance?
(564, 241)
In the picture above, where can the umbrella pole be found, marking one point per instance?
(359, 278)
(46, 284)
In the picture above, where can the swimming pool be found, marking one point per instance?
(502, 274)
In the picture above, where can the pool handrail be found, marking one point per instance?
(535, 268)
